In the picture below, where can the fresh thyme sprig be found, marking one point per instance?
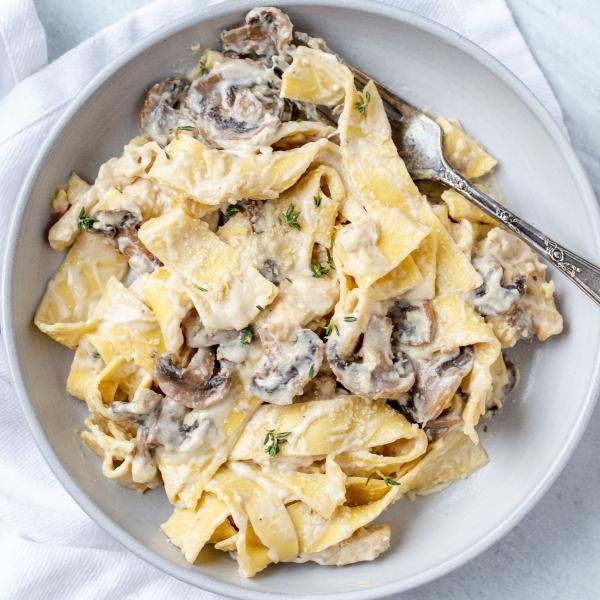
(331, 327)
(318, 270)
(85, 222)
(290, 217)
(202, 68)
(362, 105)
(273, 440)
(317, 200)
(350, 319)
(389, 481)
(247, 335)
(233, 209)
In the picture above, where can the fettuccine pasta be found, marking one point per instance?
(270, 318)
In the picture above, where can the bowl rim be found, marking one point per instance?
(186, 574)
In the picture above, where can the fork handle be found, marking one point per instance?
(579, 270)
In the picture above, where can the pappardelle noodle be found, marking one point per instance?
(271, 319)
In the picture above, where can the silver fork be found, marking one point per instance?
(421, 148)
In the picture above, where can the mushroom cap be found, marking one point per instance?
(414, 323)
(287, 367)
(194, 386)
(267, 31)
(437, 380)
(237, 101)
(377, 372)
(160, 109)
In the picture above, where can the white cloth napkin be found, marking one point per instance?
(48, 547)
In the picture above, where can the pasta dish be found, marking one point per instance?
(271, 319)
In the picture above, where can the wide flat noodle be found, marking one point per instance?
(212, 176)
(65, 312)
(225, 293)
(463, 152)
(321, 427)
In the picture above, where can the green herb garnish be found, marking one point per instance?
(202, 68)
(311, 372)
(350, 319)
(95, 355)
(290, 217)
(167, 155)
(371, 475)
(273, 440)
(390, 481)
(317, 200)
(85, 222)
(233, 209)
(261, 308)
(363, 103)
(331, 328)
(247, 335)
(318, 270)
(202, 289)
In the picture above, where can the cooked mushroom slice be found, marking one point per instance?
(492, 298)
(194, 386)
(438, 427)
(160, 112)
(122, 225)
(270, 270)
(414, 323)
(437, 382)
(238, 101)
(267, 31)
(197, 336)
(378, 372)
(287, 367)
(160, 423)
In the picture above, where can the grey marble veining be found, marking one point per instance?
(554, 553)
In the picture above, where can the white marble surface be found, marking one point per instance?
(554, 553)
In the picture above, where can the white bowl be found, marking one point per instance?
(528, 443)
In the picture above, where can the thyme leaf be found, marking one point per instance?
(273, 440)
(85, 222)
(318, 270)
(317, 200)
(350, 319)
(233, 209)
(290, 217)
(362, 105)
(390, 481)
(247, 335)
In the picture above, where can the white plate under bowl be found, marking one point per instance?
(528, 443)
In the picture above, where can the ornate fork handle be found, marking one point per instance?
(582, 272)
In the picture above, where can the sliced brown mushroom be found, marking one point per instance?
(122, 225)
(194, 386)
(160, 113)
(160, 423)
(438, 379)
(492, 297)
(270, 270)
(197, 336)
(287, 367)
(237, 101)
(414, 323)
(268, 31)
(376, 372)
